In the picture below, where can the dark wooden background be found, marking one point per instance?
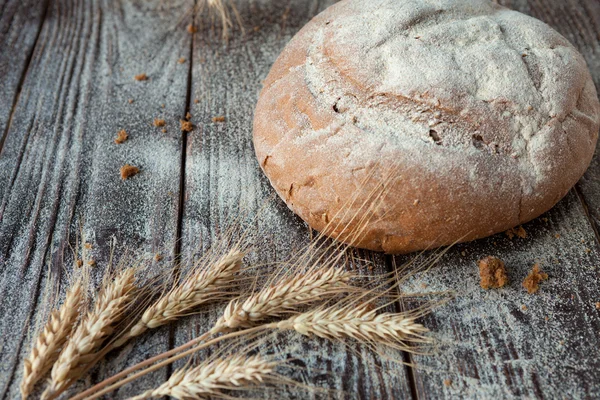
(66, 75)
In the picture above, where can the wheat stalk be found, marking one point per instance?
(203, 286)
(50, 341)
(91, 333)
(360, 322)
(286, 295)
(211, 378)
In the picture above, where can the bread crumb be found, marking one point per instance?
(191, 29)
(163, 105)
(218, 119)
(531, 282)
(463, 253)
(545, 219)
(546, 318)
(91, 263)
(492, 273)
(598, 305)
(128, 171)
(518, 231)
(256, 28)
(164, 130)
(159, 122)
(416, 202)
(447, 382)
(157, 257)
(130, 101)
(196, 101)
(557, 235)
(79, 263)
(524, 307)
(186, 126)
(181, 60)
(588, 250)
(141, 77)
(87, 245)
(121, 137)
(188, 116)
(423, 286)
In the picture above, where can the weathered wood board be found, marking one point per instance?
(67, 75)
(64, 164)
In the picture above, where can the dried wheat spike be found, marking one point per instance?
(98, 324)
(201, 287)
(287, 295)
(360, 322)
(50, 341)
(211, 378)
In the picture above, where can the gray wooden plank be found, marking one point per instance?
(506, 343)
(20, 24)
(65, 165)
(223, 177)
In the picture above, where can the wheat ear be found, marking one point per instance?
(91, 333)
(211, 378)
(360, 322)
(50, 341)
(206, 285)
(286, 295)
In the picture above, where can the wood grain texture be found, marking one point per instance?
(20, 24)
(61, 166)
(223, 177)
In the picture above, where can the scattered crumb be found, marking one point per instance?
(159, 122)
(370, 268)
(423, 286)
(462, 253)
(492, 273)
(87, 245)
(188, 116)
(191, 29)
(256, 28)
(518, 231)
(181, 60)
(218, 119)
(557, 235)
(91, 263)
(531, 283)
(598, 305)
(158, 257)
(524, 307)
(163, 105)
(546, 318)
(164, 130)
(447, 382)
(416, 202)
(121, 137)
(130, 101)
(545, 219)
(588, 250)
(141, 77)
(196, 101)
(562, 342)
(186, 126)
(79, 263)
(128, 171)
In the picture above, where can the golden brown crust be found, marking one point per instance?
(317, 142)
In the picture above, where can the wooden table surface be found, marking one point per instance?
(66, 77)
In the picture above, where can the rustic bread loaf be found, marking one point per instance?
(487, 117)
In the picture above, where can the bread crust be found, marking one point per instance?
(485, 116)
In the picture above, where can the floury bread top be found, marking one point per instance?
(478, 118)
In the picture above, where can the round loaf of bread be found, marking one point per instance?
(478, 118)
